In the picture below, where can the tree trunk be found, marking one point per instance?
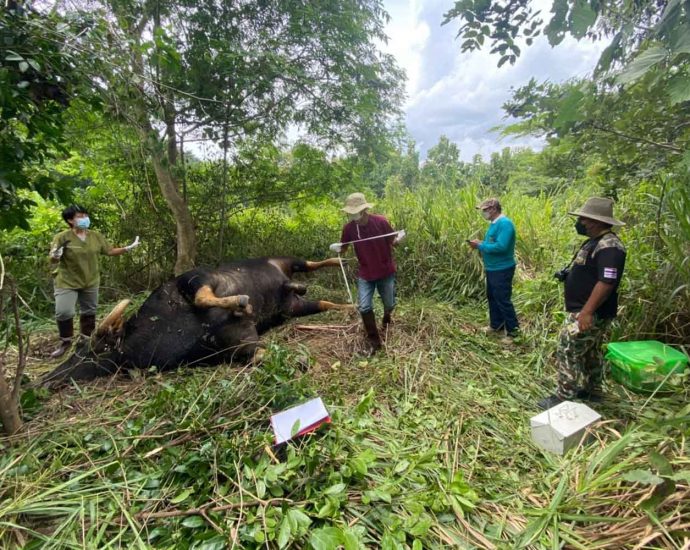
(186, 237)
(164, 156)
(9, 410)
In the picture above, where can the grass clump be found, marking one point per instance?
(429, 447)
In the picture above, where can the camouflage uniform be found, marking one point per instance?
(579, 357)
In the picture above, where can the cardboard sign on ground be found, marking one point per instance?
(299, 420)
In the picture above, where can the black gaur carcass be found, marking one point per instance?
(202, 317)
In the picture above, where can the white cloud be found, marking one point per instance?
(460, 95)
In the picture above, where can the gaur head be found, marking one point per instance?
(96, 356)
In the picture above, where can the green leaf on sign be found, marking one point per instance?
(641, 64)
(642, 476)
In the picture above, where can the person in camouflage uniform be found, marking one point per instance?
(591, 300)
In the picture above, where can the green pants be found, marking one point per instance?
(580, 357)
(66, 302)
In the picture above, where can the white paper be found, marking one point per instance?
(307, 414)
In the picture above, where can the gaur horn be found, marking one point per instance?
(112, 318)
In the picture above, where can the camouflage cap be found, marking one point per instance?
(489, 203)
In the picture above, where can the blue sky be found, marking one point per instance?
(460, 95)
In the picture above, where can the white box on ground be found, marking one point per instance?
(561, 427)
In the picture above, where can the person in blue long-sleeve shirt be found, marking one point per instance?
(498, 253)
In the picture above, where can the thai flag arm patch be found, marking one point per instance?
(610, 273)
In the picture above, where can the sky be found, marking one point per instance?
(459, 95)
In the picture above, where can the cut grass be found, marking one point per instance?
(429, 446)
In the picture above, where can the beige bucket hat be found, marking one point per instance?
(598, 208)
(488, 203)
(355, 203)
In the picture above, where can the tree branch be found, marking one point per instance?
(666, 146)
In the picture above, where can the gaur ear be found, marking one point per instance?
(113, 321)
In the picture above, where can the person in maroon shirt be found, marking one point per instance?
(376, 265)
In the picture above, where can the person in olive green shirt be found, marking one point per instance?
(76, 252)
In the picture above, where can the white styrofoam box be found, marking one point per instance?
(561, 427)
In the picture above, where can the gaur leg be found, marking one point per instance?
(289, 266)
(300, 308)
(205, 298)
(330, 262)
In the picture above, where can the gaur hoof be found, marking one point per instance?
(243, 300)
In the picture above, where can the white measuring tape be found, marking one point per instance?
(342, 266)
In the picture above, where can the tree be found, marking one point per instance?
(240, 70)
(443, 165)
(631, 112)
(38, 75)
(629, 27)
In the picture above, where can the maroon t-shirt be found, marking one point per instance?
(375, 256)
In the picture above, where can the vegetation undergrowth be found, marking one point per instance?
(429, 446)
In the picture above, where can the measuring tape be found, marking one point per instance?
(342, 266)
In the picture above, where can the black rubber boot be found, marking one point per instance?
(387, 318)
(369, 320)
(66, 332)
(87, 323)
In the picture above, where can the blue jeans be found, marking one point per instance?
(365, 291)
(499, 291)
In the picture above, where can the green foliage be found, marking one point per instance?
(424, 448)
(38, 74)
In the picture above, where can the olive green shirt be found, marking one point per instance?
(78, 266)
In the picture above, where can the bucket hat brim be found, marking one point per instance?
(357, 209)
(604, 219)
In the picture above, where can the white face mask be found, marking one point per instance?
(355, 217)
(486, 215)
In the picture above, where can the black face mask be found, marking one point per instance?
(580, 228)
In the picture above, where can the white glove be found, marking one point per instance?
(56, 253)
(400, 236)
(336, 247)
(133, 245)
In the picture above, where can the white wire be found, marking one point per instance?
(347, 285)
(371, 238)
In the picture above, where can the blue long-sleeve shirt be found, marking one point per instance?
(498, 246)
